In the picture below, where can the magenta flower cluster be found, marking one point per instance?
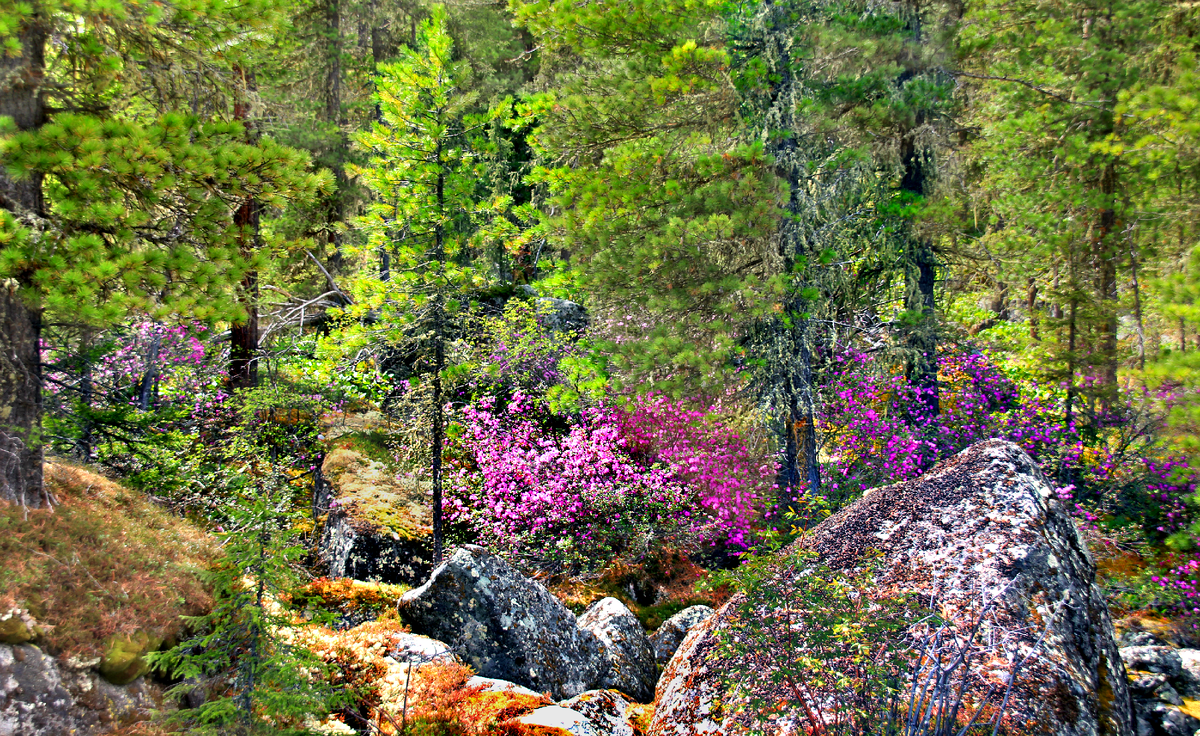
(614, 483)
(877, 426)
(551, 498)
(703, 454)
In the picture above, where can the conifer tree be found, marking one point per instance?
(1058, 179)
(111, 208)
(424, 166)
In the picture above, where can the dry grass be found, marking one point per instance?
(104, 561)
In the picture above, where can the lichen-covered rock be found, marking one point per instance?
(1160, 719)
(1160, 677)
(562, 315)
(40, 697)
(492, 685)
(608, 712)
(417, 649)
(673, 631)
(379, 525)
(505, 625)
(983, 524)
(631, 666)
(1159, 659)
(1189, 661)
(564, 719)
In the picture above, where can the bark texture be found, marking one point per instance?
(20, 323)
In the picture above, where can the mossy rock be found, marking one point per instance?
(376, 498)
(13, 630)
(124, 657)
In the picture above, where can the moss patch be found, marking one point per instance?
(104, 562)
(344, 596)
(124, 658)
(374, 495)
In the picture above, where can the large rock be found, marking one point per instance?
(505, 625)
(379, 524)
(608, 712)
(983, 524)
(674, 630)
(631, 666)
(40, 697)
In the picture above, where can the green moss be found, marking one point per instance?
(15, 631)
(124, 657)
(371, 444)
(392, 513)
(373, 493)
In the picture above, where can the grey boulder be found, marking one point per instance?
(631, 666)
(673, 631)
(41, 697)
(505, 625)
(984, 523)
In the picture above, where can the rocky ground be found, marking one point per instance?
(979, 536)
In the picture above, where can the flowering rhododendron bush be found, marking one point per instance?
(1123, 487)
(731, 481)
(877, 427)
(616, 482)
(570, 500)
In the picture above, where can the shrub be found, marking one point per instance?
(556, 502)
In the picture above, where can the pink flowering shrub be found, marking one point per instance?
(561, 501)
(875, 430)
(706, 456)
(112, 369)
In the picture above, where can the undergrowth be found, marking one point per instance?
(102, 562)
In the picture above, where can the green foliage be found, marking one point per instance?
(140, 199)
(424, 162)
(811, 642)
(666, 207)
(246, 653)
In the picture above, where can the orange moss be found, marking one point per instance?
(103, 561)
(347, 596)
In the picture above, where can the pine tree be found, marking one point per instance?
(425, 160)
(1061, 191)
(120, 209)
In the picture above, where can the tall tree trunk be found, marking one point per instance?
(20, 322)
(1137, 306)
(1031, 306)
(1104, 255)
(921, 279)
(439, 363)
(150, 375)
(336, 212)
(799, 469)
(244, 335)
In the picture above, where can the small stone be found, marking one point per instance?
(1162, 660)
(554, 716)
